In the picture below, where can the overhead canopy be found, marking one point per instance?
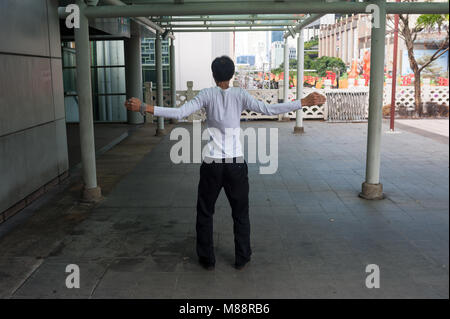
(236, 15)
(221, 7)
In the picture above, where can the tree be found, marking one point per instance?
(326, 63)
(292, 65)
(314, 42)
(425, 22)
(433, 69)
(308, 62)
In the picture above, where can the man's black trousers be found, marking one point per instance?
(233, 177)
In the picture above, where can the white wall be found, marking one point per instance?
(194, 54)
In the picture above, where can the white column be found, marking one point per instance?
(91, 191)
(160, 130)
(298, 128)
(285, 116)
(372, 188)
(133, 70)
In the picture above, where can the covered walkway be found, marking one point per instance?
(311, 234)
(174, 16)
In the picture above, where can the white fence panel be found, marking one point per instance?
(342, 104)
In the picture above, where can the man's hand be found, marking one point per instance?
(313, 99)
(133, 104)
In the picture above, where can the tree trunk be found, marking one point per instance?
(415, 68)
(409, 38)
(417, 95)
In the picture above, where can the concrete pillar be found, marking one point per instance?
(351, 43)
(133, 71)
(356, 39)
(345, 43)
(190, 96)
(298, 128)
(148, 98)
(332, 44)
(160, 130)
(320, 46)
(372, 188)
(173, 88)
(285, 116)
(91, 191)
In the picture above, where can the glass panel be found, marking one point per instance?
(109, 53)
(148, 51)
(108, 82)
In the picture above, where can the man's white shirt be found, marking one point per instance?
(223, 113)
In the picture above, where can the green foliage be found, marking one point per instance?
(292, 65)
(309, 57)
(309, 63)
(321, 65)
(326, 63)
(432, 20)
(311, 43)
(310, 73)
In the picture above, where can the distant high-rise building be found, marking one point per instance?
(276, 54)
(292, 53)
(246, 59)
(277, 36)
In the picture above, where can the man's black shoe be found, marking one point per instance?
(240, 266)
(207, 266)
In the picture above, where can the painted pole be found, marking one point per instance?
(91, 191)
(394, 72)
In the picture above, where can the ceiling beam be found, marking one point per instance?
(247, 17)
(228, 30)
(303, 24)
(227, 25)
(264, 7)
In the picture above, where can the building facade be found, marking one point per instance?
(349, 38)
(194, 54)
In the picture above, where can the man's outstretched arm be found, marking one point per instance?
(199, 101)
(250, 103)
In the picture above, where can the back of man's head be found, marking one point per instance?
(222, 68)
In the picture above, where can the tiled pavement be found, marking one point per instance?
(312, 237)
(436, 126)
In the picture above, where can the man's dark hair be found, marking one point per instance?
(222, 68)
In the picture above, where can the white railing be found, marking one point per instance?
(404, 95)
(342, 104)
(350, 105)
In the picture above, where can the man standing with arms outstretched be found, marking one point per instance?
(224, 166)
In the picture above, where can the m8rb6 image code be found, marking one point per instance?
(237, 308)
